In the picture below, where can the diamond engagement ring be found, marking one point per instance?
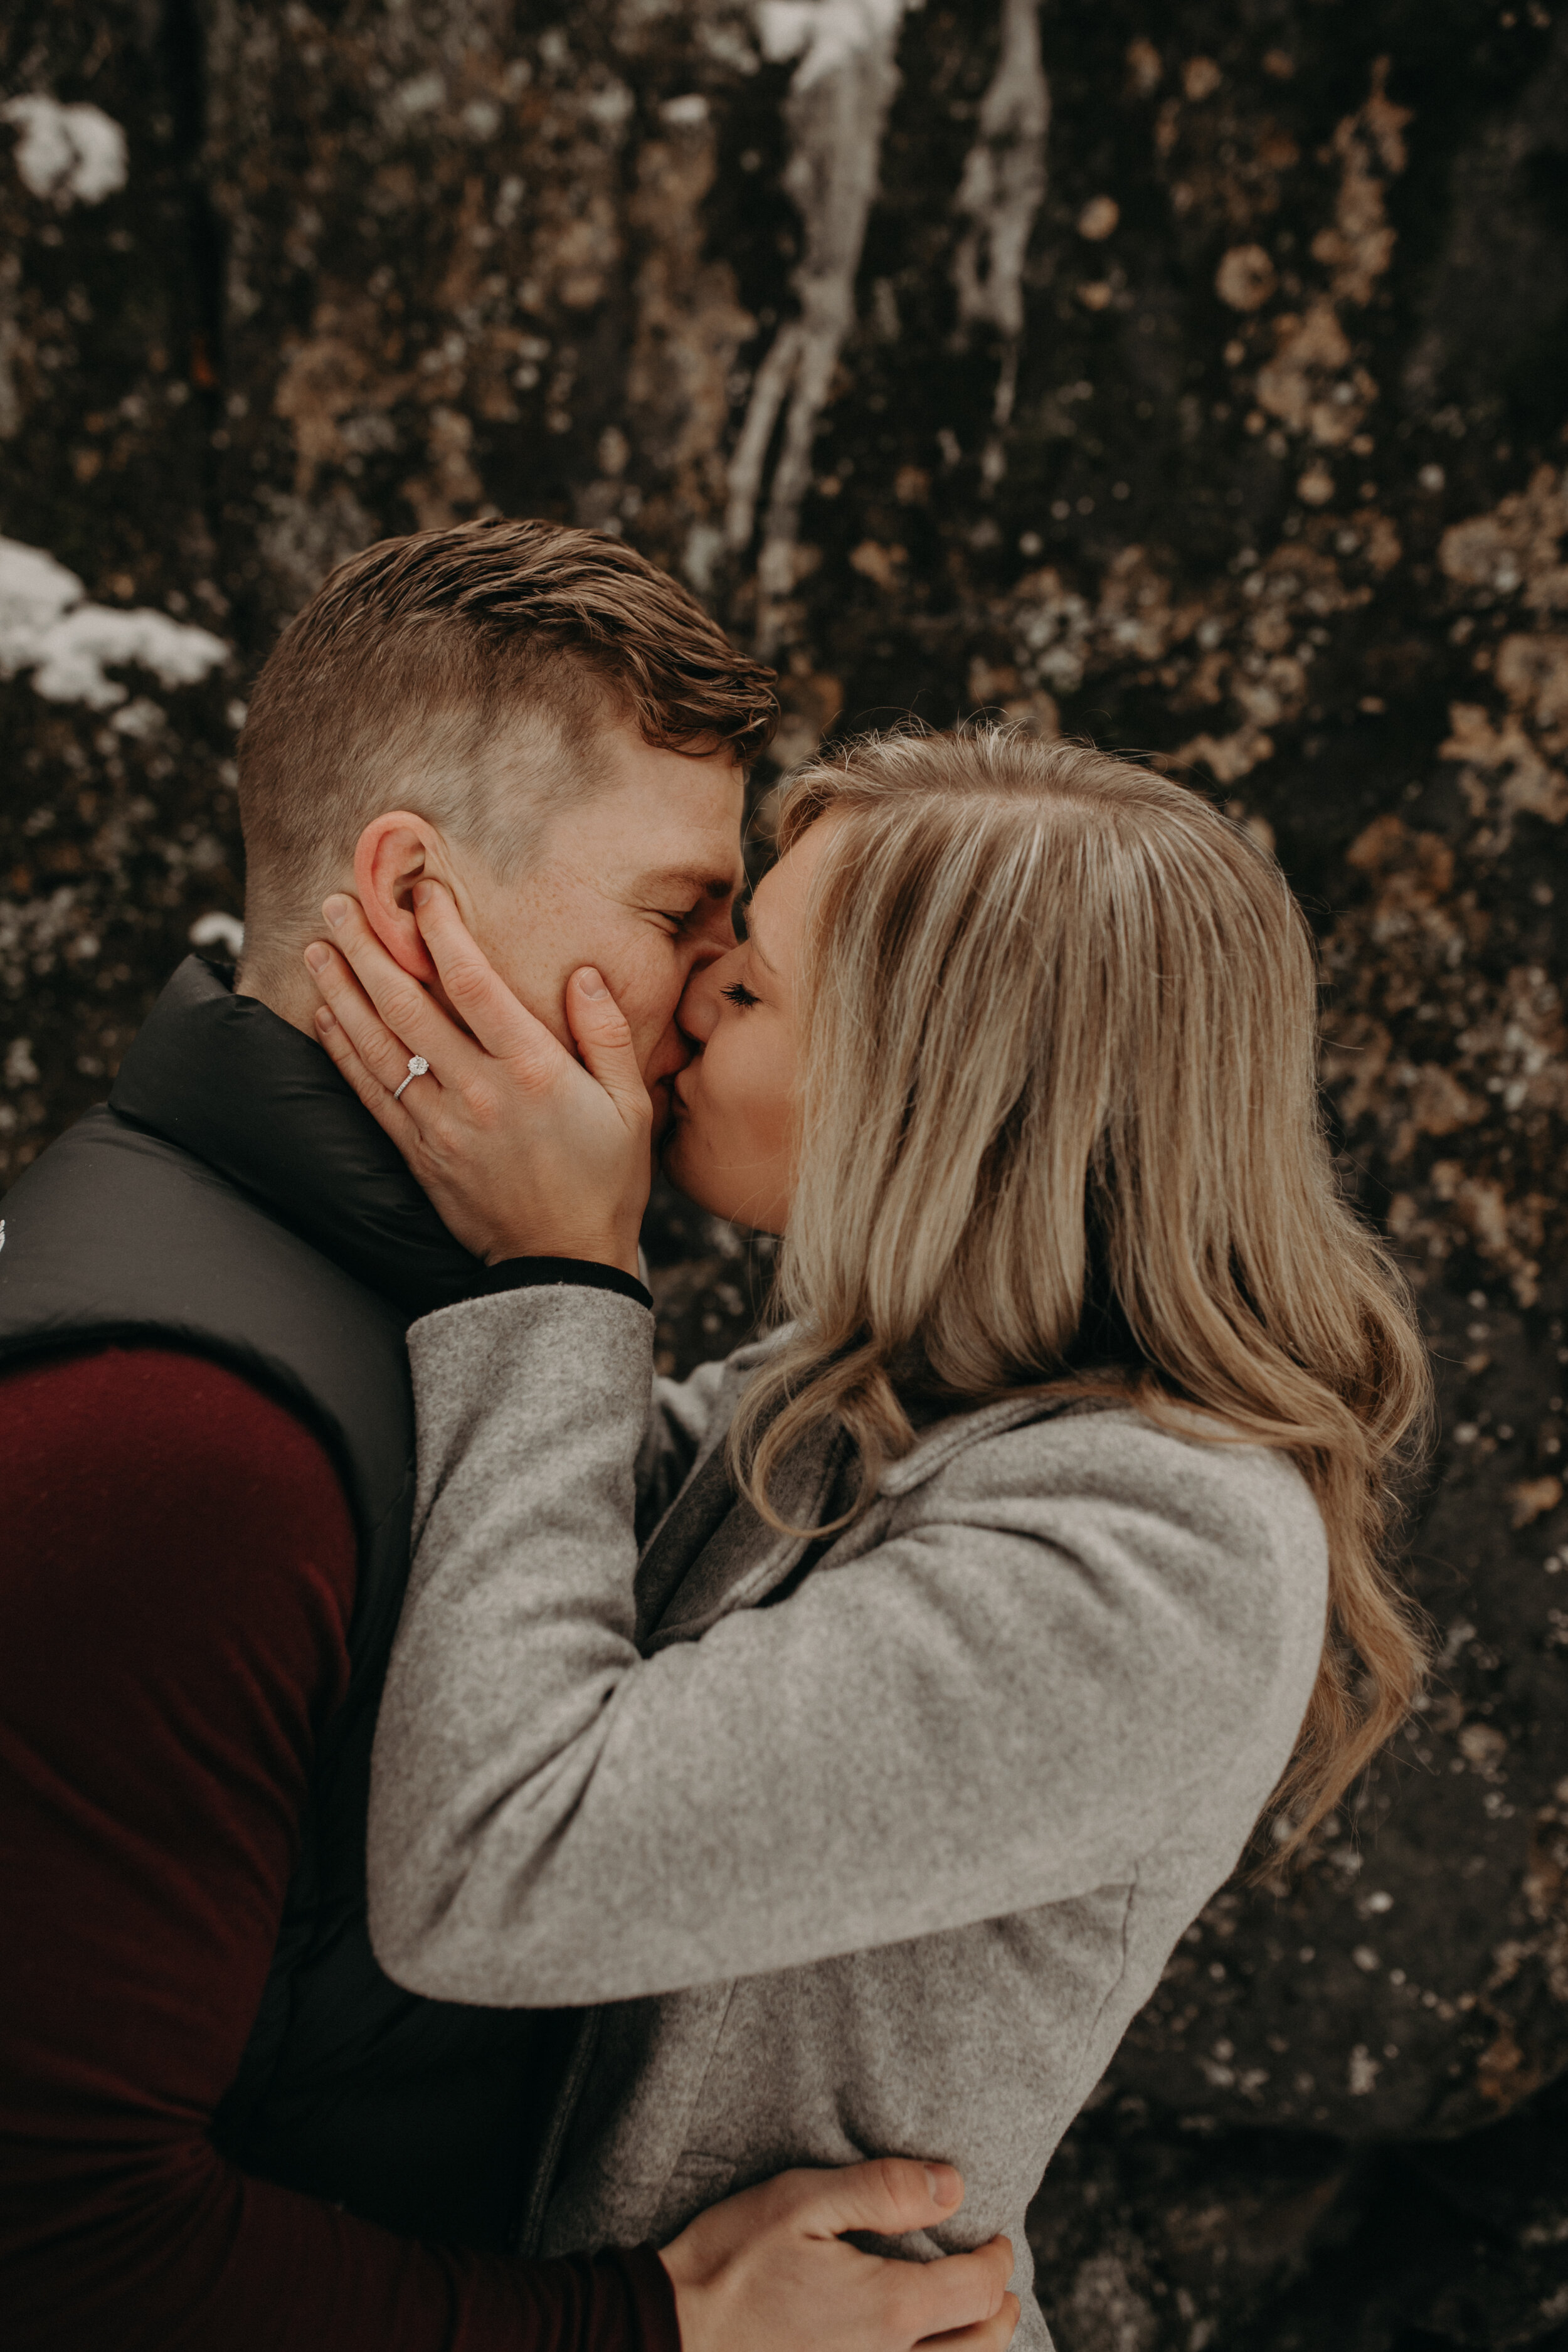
(418, 1067)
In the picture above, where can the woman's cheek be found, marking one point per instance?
(760, 1123)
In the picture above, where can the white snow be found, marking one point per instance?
(824, 34)
(143, 718)
(77, 154)
(34, 592)
(218, 931)
(839, 95)
(47, 626)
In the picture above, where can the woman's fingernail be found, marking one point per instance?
(943, 2183)
(326, 1018)
(335, 910)
(420, 894)
(590, 983)
(317, 956)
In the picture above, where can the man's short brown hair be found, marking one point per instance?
(420, 665)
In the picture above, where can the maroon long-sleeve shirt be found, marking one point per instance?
(177, 1570)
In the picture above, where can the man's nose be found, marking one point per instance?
(715, 939)
(699, 1007)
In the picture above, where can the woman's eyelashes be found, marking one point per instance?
(738, 995)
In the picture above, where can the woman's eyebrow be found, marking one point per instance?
(753, 941)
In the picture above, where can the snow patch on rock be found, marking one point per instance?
(47, 626)
(73, 154)
(224, 931)
(826, 34)
(837, 105)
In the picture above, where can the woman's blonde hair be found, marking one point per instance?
(1060, 1127)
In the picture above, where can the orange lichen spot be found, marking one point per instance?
(1246, 278)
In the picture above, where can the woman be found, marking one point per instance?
(989, 1601)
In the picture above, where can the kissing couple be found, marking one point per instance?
(512, 1851)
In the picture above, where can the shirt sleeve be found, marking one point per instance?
(560, 1273)
(178, 1574)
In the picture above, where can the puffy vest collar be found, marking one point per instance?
(255, 1100)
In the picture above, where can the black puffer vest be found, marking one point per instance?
(234, 1199)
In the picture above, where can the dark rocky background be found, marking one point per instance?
(1191, 375)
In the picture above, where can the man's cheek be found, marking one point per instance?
(649, 1034)
(648, 1003)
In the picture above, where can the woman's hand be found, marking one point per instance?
(524, 1152)
(768, 2270)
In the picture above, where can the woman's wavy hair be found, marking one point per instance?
(1060, 1127)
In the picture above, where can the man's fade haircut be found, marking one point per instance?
(420, 664)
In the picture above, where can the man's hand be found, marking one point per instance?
(768, 2271)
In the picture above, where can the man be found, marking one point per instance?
(222, 2126)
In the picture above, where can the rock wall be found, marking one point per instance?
(1193, 376)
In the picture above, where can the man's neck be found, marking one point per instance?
(292, 1000)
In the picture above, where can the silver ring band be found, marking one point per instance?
(418, 1067)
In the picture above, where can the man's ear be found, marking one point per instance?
(392, 852)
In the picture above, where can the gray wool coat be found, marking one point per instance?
(878, 1858)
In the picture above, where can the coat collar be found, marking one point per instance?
(937, 1444)
(712, 1553)
(257, 1101)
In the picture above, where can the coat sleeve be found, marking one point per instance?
(178, 1571)
(1000, 1705)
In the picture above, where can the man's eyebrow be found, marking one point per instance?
(681, 877)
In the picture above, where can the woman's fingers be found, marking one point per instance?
(381, 1051)
(503, 1026)
(604, 1039)
(375, 1095)
(404, 1006)
(523, 1152)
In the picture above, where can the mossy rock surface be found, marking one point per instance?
(1194, 379)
